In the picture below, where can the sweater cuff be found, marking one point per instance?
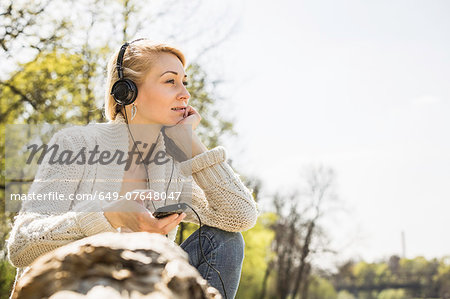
(210, 169)
(92, 223)
(203, 160)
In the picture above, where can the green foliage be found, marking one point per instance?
(320, 288)
(392, 294)
(186, 229)
(56, 86)
(7, 275)
(52, 88)
(402, 278)
(345, 295)
(371, 273)
(4, 230)
(257, 254)
(367, 295)
(442, 278)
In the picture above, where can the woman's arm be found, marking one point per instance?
(42, 226)
(218, 194)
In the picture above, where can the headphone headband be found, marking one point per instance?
(119, 63)
(120, 60)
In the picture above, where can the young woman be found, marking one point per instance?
(154, 111)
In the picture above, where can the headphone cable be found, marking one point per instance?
(139, 152)
(201, 250)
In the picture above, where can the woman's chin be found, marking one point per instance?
(176, 120)
(173, 121)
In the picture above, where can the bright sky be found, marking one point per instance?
(363, 87)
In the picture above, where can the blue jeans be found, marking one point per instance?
(224, 251)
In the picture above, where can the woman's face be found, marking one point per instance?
(162, 91)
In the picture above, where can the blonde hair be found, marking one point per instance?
(137, 61)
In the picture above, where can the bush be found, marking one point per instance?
(7, 275)
(392, 294)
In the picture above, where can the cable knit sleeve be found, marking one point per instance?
(218, 194)
(42, 226)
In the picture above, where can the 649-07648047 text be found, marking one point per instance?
(133, 195)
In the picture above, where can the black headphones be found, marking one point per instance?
(124, 91)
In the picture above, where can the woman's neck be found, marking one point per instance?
(144, 135)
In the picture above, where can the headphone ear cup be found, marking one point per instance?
(124, 92)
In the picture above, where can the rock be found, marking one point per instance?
(115, 265)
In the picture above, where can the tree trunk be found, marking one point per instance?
(115, 265)
(305, 252)
(306, 283)
(266, 276)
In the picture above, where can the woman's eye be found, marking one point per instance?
(173, 82)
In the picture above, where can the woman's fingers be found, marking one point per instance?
(191, 116)
(192, 111)
(162, 222)
(166, 229)
(164, 225)
(133, 215)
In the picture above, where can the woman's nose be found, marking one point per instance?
(184, 96)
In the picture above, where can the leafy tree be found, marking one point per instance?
(442, 278)
(257, 253)
(320, 288)
(22, 23)
(392, 294)
(365, 273)
(6, 277)
(50, 89)
(345, 295)
(298, 230)
(395, 277)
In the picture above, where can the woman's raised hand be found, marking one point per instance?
(191, 116)
(183, 133)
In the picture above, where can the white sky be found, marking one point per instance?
(363, 87)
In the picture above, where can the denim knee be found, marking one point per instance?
(231, 241)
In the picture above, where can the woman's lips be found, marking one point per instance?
(179, 110)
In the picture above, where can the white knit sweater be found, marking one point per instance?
(217, 193)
